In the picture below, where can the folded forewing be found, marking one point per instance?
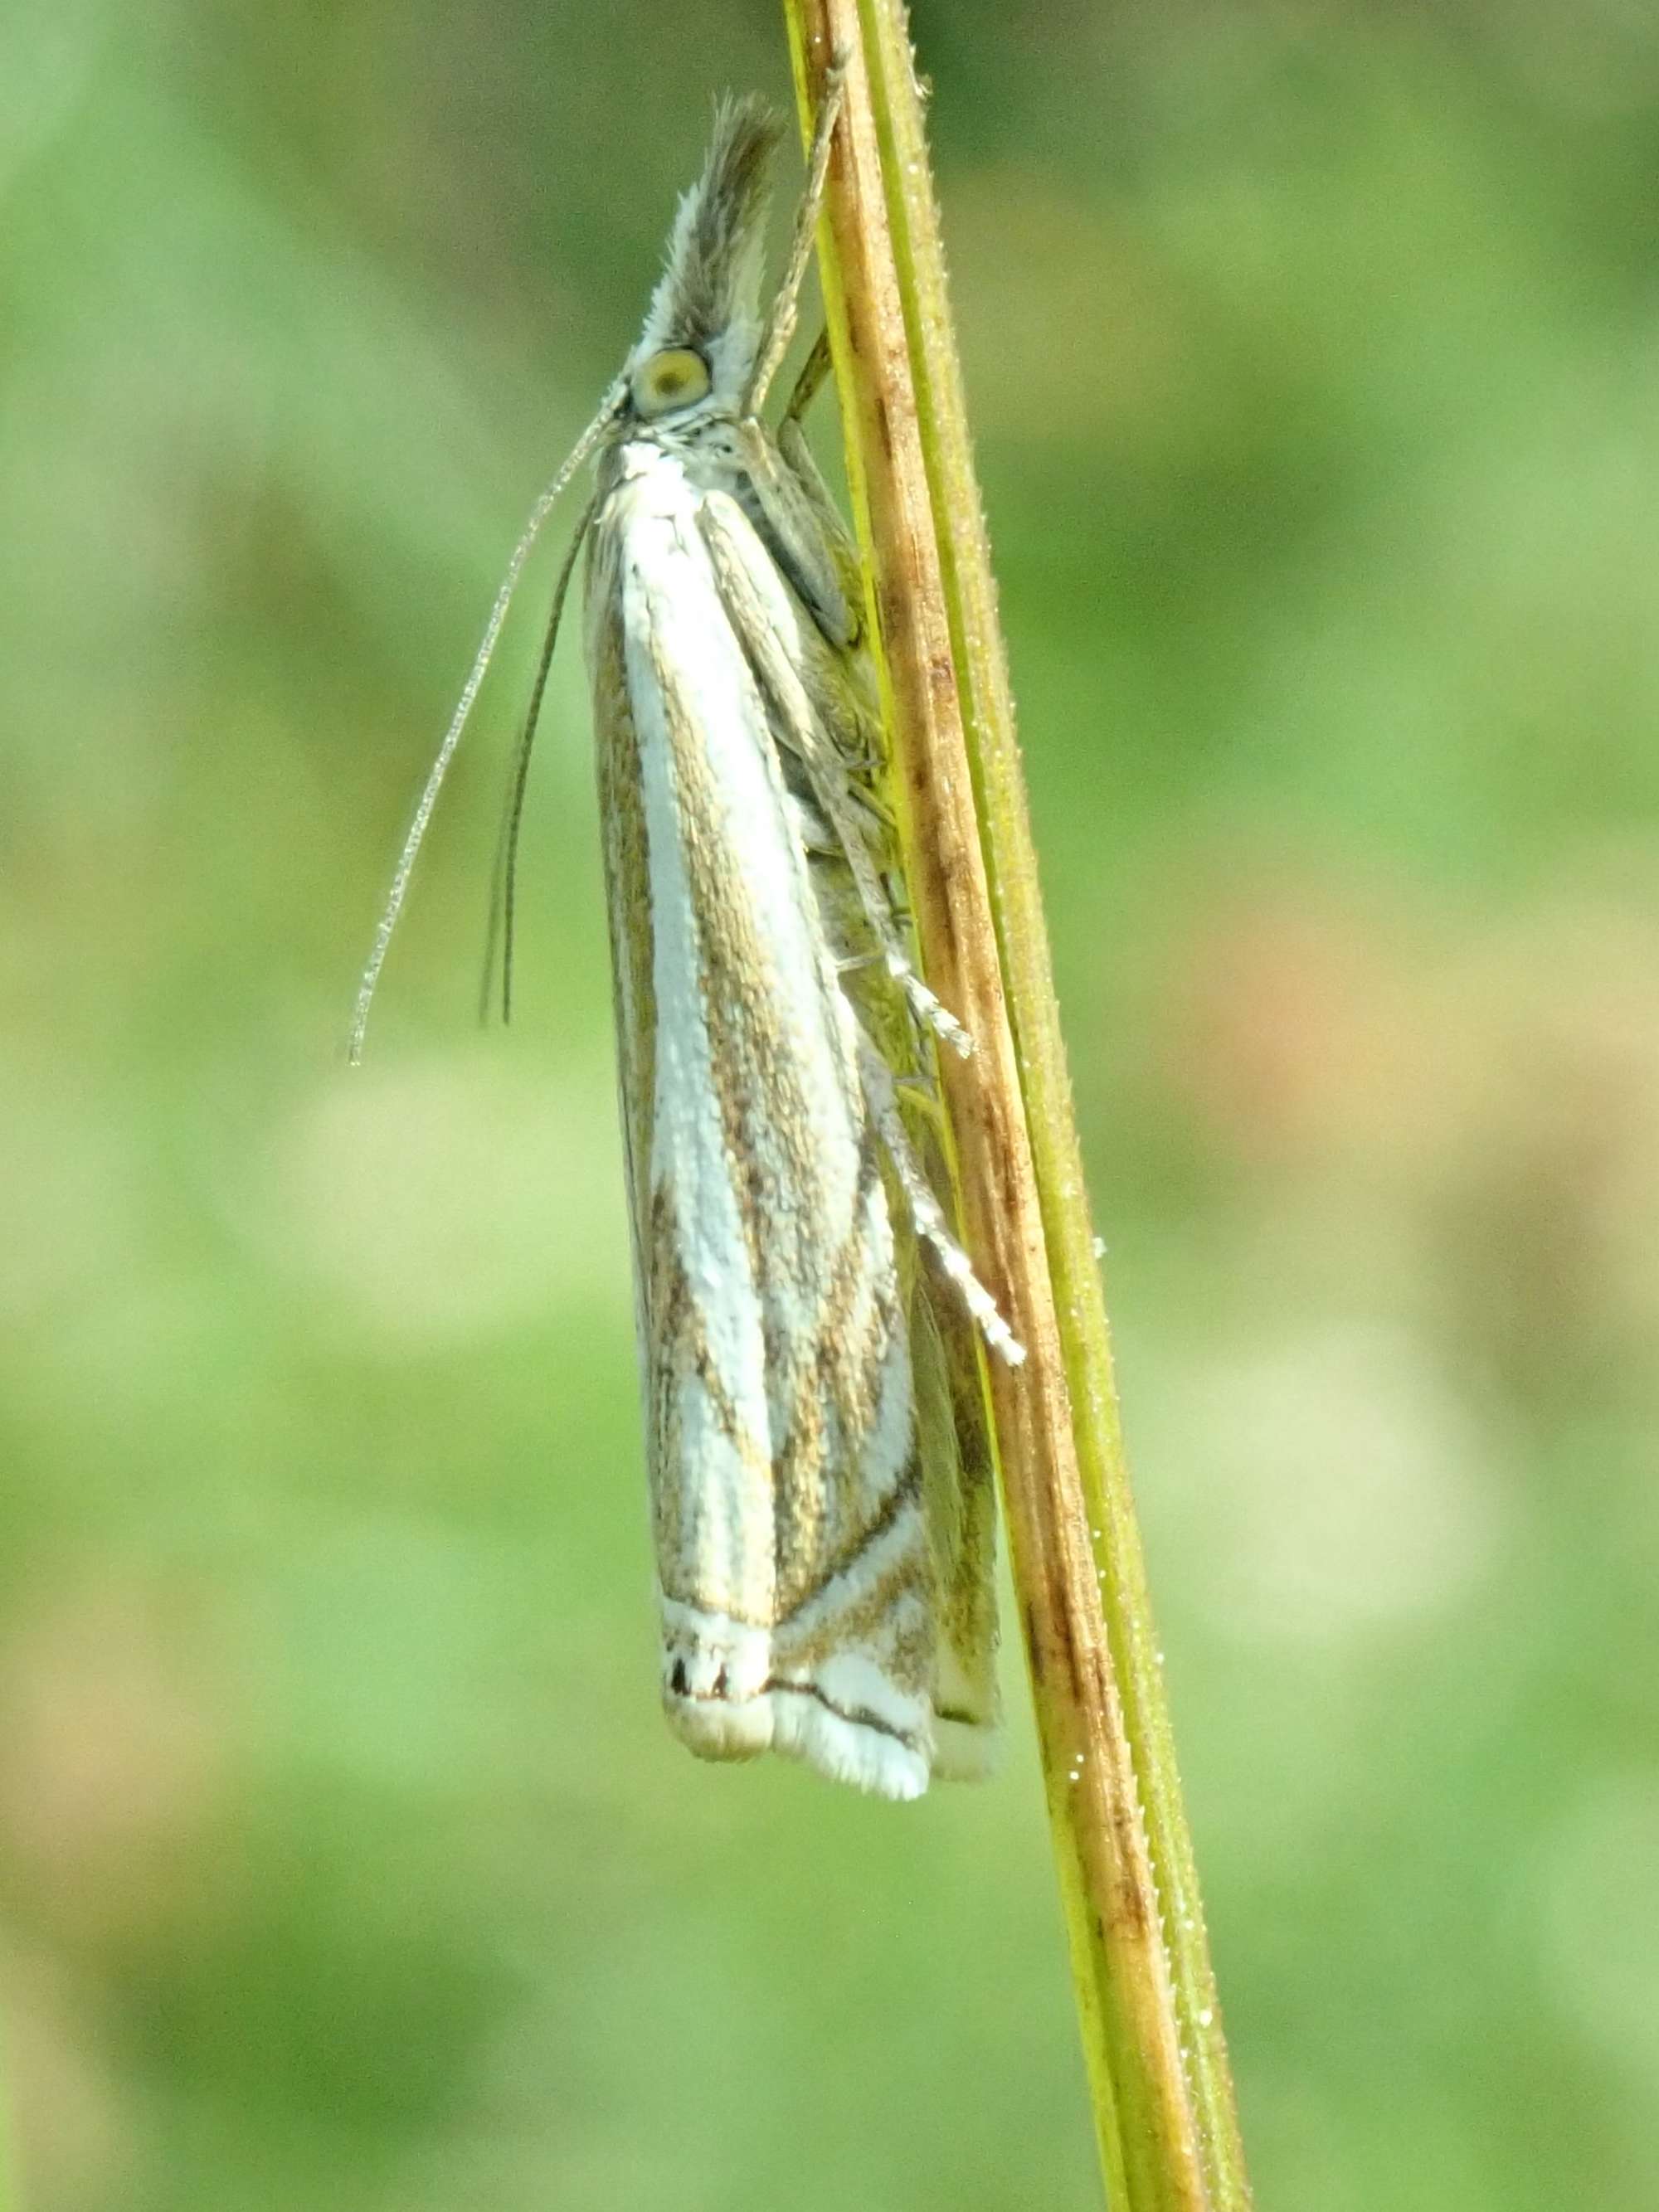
(792, 1540)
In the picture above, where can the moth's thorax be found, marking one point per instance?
(651, 496)
(659, 466)
(706, 451)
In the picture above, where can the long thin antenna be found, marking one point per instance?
(781, 324)
(417, 829)
(504, 877)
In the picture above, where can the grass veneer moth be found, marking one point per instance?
(821, 1471)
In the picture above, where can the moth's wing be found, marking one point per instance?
(792, 1543)
(627, 903)
(954, 1441)
(954, 1437)
(953, 1430)
(958, 1467)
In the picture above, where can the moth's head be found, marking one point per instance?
(701, 335)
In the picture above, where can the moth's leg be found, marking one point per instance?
(781, 681)
(798, 524)
(813, 372)
(881, 1096)
(921, 1089)
(811, 491)
(918, 1092)
(841, 807)
(504, 877)
(798, 458)
(781, 326)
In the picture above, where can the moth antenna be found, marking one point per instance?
(481, 660)
(780, 322)
(504, 877)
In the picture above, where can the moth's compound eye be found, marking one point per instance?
(675, 378)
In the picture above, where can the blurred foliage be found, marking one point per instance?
(344, 1861)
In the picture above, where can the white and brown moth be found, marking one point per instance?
(821, 1472)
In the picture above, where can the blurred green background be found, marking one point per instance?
(345, 1860)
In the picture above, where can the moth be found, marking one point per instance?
(821, 1470)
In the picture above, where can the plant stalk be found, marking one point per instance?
(1150, 2025)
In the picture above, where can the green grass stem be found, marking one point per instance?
(1150, 2023)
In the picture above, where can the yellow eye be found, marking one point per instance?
(676, 378)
